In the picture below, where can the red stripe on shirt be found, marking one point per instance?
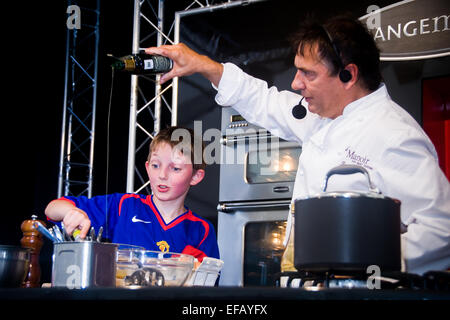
(205, 224)
(68, 200)
(126, 196)
(63, 199)
(194, 252)
(160, 218)
(188, 215)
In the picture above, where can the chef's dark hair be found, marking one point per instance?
(347, 38)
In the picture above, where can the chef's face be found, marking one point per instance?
(171, 172)
(313, 80)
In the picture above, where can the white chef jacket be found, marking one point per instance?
(373, 132)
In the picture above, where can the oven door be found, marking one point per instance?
(250, 237)
(257, 167)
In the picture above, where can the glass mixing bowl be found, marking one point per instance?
(144, 268)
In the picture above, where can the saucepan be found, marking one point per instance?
(347, 231)
(14, 264)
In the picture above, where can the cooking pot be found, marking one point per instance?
(84, 264)
(347, 231)
(14, 263)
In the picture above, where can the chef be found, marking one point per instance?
(343, 114)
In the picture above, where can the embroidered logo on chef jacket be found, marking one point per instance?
(163, 246)
(357, 159)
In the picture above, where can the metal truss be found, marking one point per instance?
(80, 95)
(152, 104)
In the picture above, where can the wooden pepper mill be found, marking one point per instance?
(32, 239)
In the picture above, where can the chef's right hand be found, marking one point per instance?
(76, 218)
(186, 62)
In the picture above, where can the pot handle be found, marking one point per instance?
(349, 169)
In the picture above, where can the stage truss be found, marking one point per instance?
(152, 105)
(154, 108)
(80, 98)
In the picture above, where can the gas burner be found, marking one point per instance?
(433, 280)
(319, 281)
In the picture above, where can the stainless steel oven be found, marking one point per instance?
(255, 165)
(250, 237)
(257, 176)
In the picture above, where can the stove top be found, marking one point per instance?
(432, 280)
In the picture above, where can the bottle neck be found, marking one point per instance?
(118, 65)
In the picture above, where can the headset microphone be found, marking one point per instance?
(344, 75)
(299, 111)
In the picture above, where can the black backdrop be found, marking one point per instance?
(33, 55)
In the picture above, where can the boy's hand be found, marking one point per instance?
(77, 219)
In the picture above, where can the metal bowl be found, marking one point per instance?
(14, 264)
(144, 268)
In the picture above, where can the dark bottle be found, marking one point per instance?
(143, 63)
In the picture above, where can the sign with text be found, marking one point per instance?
(411, 29)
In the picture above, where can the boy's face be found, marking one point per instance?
(171, 173)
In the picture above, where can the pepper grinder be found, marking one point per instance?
(32, 239)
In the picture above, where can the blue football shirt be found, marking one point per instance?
(134, 219)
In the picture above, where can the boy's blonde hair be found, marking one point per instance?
(183, 139)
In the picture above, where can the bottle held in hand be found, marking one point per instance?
(142, 63)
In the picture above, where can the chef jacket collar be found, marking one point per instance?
(362, 104)
(366, 101)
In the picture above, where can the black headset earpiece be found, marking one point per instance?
(344, 75)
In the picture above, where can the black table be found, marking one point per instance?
(218, 294)
(228, 302)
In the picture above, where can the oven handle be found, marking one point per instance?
(226, 140)
(228, 207)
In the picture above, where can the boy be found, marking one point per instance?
(156, 222)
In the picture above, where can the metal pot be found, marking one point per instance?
(84, 264)
(347, 231)
(14, 264)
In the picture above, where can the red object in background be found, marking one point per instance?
(436, 117)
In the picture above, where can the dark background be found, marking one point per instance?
(33, 55)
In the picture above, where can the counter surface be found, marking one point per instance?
(222, 302)
(218, 294)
